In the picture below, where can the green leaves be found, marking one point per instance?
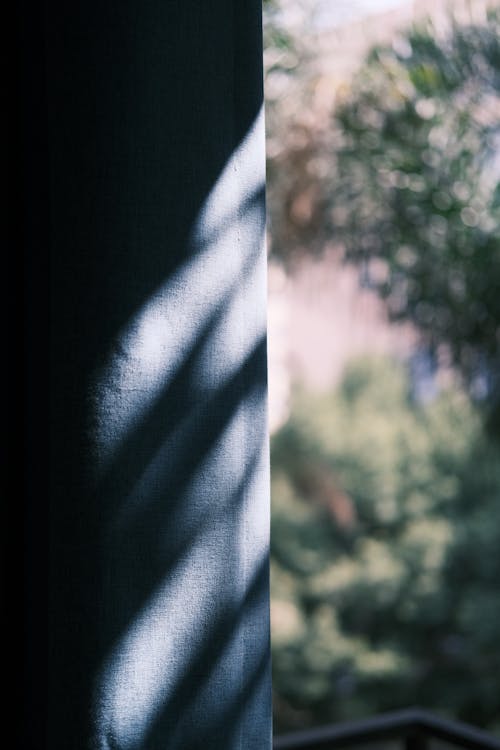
(385, 552)
(386, 513)
(416, 186)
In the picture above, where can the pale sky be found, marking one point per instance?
(330, 13)
(321, 15)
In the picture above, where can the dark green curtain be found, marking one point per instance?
(147, 552)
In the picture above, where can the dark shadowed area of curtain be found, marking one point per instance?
(156, 520)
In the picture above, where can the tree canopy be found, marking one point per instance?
(404, 177)
(416, 196)
(386, 514)
(385, 554)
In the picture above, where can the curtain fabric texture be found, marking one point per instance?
(158, 627)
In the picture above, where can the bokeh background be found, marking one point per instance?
(383, 166)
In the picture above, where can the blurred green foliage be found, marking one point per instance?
(405, 178)
(416, 194)
(385, 554)
(298, 152)
(386, 511)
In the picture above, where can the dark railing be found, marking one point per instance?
(412, 727)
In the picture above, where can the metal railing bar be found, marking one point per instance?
(397, 724)
(457, 732)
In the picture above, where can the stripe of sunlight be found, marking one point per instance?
(142, 673)
(226, 718)
(172, 413)
(166, 463)
(153, 653)
(158, 506)
(227, 236)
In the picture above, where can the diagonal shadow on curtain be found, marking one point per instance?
(158, 518)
